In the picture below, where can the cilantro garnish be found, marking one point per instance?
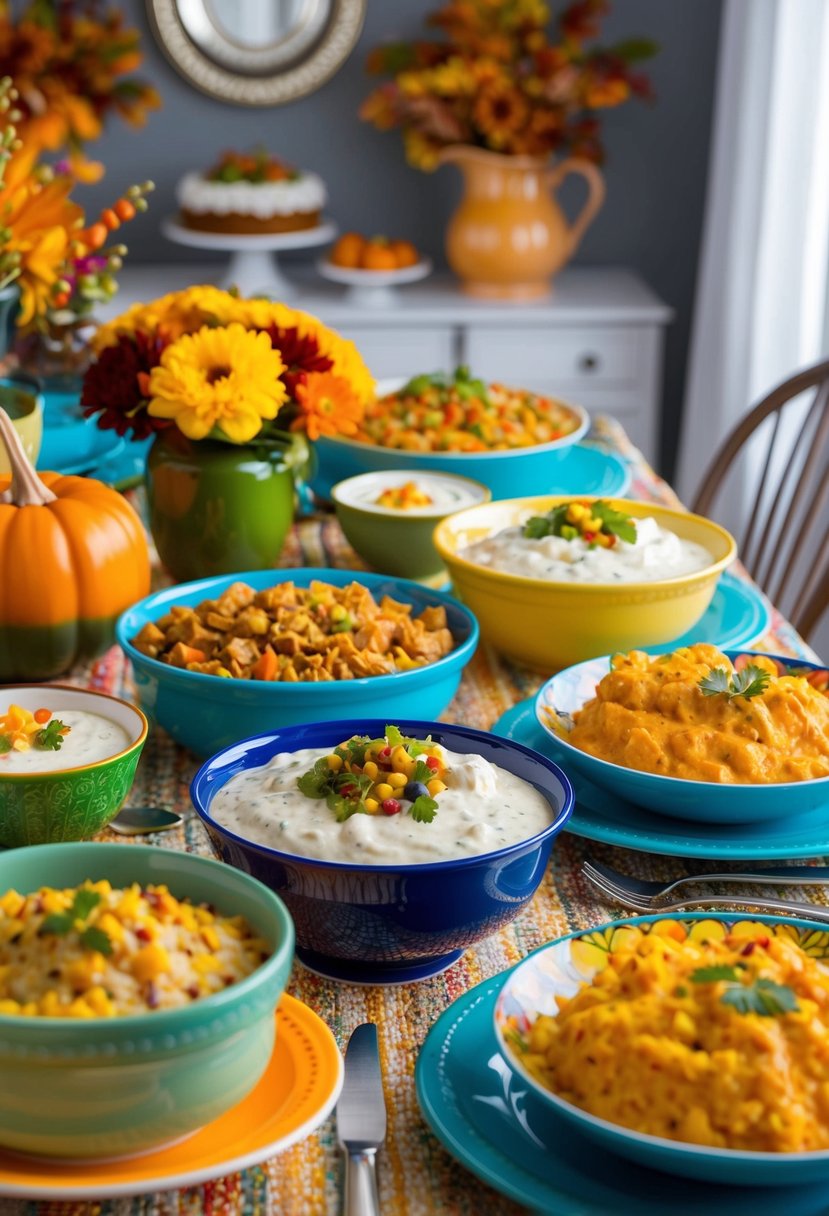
(51, 737)
(748, 683)
(61, 923)
(423, 809)
(557, 522)
(461, 382)
(764, 997)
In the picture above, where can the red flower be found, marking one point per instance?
(300, 354)
(112, 387)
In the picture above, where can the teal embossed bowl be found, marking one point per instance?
(76, 801)
(102, 1088)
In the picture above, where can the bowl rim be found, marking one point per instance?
(50, 774)
(415, 515)
(167, 1020)
(715, 567)
(683, 1147)
(754, 786)
(387, 386)
(462, 651)
(340, 728)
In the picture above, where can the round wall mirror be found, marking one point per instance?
(257, 52)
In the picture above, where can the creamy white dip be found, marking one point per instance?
(656, 554)
(483, 808)
(91, 737)
(447, 493)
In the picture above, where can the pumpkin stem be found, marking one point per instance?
(26, 489)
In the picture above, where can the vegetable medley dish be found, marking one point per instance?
(98, 951)
(294, 634)
(456, 413)
(714, 1037)
(690, 714)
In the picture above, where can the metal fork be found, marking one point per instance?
(657, 892)
(644, 896)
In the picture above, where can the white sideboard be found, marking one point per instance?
(596, 341)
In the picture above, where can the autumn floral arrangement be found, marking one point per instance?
(60, 265)
(205, 364)
(499, 79)
(72, 63)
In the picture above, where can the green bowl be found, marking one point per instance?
(69, 803)
(113, 1087)
(395, 541)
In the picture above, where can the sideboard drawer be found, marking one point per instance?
(404, 350)
(569, 355)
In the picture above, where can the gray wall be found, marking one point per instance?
(656, 167)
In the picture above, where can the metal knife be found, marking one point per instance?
(361, 1121)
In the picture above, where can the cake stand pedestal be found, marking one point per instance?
(373, 288)
(253, 267)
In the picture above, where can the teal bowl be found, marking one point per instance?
(68, 803)
(534, 987)
(114, 1087)
(208, 713)
(703, 801)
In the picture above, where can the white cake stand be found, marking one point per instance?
(253, 267)
(374, 288)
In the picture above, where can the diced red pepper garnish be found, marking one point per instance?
(391, 806)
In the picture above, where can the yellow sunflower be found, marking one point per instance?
(224, 380)
(499, 111)
(177, 313)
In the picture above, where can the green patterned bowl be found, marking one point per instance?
(68, 803)
(113, 1087)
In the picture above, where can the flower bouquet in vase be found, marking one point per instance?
(498, 94)
(231, 390)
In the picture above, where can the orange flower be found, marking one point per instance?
(500, 111)
(327, 406)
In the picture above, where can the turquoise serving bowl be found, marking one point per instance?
(208, 713)
(555, 970)
(68, 803)
(113, 1087)
(704, 801)
(507, 474)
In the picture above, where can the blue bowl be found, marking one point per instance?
(704, 801)
(534, 987)
(508, 474)
(207, 713)
(390, 924)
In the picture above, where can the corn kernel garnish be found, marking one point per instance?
(597, 523)
(400, 771)
(22, 729)
(403, 498)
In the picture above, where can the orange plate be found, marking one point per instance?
(296, 1093)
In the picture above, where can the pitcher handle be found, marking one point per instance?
(596, 191)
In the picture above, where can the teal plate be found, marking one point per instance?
(600, 815)
(491, 1121)
(737, 616)
(77, 448)
(588, 469)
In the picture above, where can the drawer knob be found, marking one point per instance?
(589, 363)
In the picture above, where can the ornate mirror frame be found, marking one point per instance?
(247, 76)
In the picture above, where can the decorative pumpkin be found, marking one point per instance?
(73, 556)
(357, 252)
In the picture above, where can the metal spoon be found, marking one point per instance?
(141, 820)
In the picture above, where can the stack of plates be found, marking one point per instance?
(74, 445)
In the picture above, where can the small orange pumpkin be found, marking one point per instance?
(378, 255)
(348, 250)
(73, 556)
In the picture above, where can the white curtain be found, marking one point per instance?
(762, 305)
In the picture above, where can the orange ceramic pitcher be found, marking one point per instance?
(509, 236)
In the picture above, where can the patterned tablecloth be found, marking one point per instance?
(416, 1175)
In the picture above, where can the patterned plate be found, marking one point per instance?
(296, 1093)
(489, 1119)
(600, 815)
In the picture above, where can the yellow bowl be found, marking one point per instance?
(24, 406)
(548, 625)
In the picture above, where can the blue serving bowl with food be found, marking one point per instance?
(711, 801)
(128, 1066)
(206, 712)
(382, 897)
(719, 1068)
(507, 473)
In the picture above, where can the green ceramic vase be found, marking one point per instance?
(215, 508)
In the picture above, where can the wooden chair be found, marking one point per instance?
(782, 526)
